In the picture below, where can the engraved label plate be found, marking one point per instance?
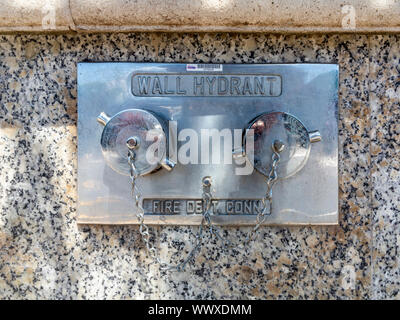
(195, 206)
(205, 85)
(198, 97)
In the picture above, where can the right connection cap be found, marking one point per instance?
(268, 128)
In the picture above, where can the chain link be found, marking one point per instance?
(206, 216)
(267, 200)
(207, 199)
(144, 229)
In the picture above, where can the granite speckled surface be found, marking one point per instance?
(44, 254)
(385, 159)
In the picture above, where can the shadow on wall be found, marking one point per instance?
(44, 254)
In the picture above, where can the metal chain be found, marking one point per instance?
(207, 199)
(144, 229)
(277, 148)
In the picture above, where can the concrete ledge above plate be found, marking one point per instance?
(279, 16)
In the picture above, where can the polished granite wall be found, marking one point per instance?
(44, 254)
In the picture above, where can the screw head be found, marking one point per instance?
(132, 142)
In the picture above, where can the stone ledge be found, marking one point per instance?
(278, 16)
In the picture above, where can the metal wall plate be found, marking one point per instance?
(208, 97)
